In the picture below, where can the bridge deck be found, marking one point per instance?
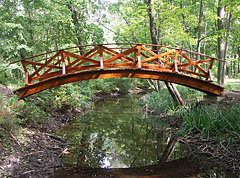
(109, 61)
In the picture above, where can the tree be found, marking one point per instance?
(223, 29)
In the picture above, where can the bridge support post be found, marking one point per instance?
(212, 99)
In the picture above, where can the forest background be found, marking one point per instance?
(31, 27)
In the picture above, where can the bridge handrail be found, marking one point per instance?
(104, 56)
(109, 44)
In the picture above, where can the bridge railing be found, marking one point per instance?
(114, 56)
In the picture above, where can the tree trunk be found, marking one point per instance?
(154, 36)
(153, 28)
(76, 25)
(238, 60)
(30, 29)
(222, 43)
(199, 29)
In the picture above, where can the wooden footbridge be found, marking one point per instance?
(87, 62)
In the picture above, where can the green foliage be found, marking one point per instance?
(8, 119)
(66, 95)
(161, 101)
(190, 95)
(234, 84)
(121, 85)
(27, 111)
(216, 122)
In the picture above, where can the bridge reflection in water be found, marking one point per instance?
(119, 60)
(117, 139)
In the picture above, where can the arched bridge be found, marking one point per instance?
(118, 60)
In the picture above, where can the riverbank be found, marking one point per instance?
(211, 129)
(31, 147)
(34, 151)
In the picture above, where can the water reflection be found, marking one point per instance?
(117, 134)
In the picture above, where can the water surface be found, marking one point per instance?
(116, 138)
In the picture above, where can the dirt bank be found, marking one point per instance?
(34, 152)
(5, 92)
(226, 152)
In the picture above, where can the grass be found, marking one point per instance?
(219, 122)
(162, 102)
(215, 121)
(232, 84)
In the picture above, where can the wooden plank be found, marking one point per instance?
(185, 56)
(94, 54)
(68, 59)
(80, 58)
(192, 63)
(35, 68)
(139, 57)
(199, 68)
(160, 55)
(24, 66)
(48, 70)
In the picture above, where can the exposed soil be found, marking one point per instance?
(35, 150)
(34, 153)
(223, 153)
(4, 91)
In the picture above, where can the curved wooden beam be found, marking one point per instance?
(198, 84)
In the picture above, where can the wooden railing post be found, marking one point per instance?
(101, 57)
(210, 71)
(63, 63)
(26, 78)
(139, 57)
(175, 66)
(63, 68)
(26, 73)
(210, 75)
(101, 62)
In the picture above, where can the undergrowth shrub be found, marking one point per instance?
(8, 119)
(160, 101)
(71, 95)
(110, 85)
(190, 95)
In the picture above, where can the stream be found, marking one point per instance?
(116, 138)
